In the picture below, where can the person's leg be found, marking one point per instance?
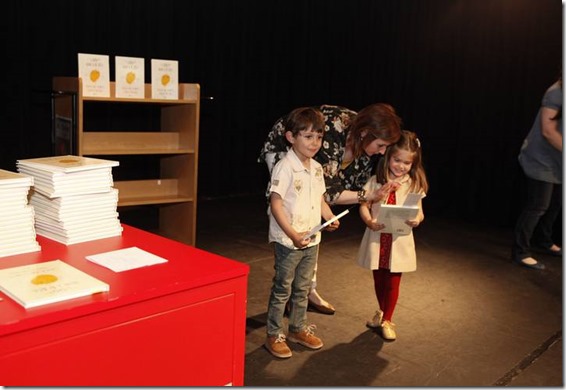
(392, 281)
(299, 331)
(542, 235)
(391, 293)
(538, 199)
(300, 288)
(378, 286)
(315, 300)
(285, 264)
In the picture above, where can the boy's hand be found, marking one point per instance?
(333, 226)
(300, 241)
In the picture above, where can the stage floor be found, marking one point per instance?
(467, 317)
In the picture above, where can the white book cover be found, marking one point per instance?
(14, 179)
(25, 213)
(76, 203)
(14, 192)
(8, 205)
(91, 222)
(27, 248)
(19, 234)
(79, 238)
(164, 79)
(94, 70)
(49, 282)
(66, 164)
(71, 218)
(394, 217)
(130, 77)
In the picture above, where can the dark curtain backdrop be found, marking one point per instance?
(466, 75)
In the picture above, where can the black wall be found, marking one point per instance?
(466, 75)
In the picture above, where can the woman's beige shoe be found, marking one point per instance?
(375, 322)
(388, 330)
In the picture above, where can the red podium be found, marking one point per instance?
(181, 323)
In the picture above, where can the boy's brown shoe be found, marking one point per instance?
(278, 347)
(306, 337)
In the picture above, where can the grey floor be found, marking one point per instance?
(467, 317)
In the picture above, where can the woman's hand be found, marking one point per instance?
(383, 192)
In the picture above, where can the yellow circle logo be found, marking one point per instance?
(94, 75)
(44, 279)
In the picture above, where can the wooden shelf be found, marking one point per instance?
(174, 145)
(116, 143)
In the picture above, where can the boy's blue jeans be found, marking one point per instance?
(534, 225)
(294, 270)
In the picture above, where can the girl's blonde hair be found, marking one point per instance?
(411, 144)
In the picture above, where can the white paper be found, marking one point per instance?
(126, 259)
(130, 77)
(94, 70)
(318, 228)
(394, 217)
(164, 79)
(412, 199)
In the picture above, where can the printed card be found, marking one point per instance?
(164, 79)
(130, 77)
(94, 70)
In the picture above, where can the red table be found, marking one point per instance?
(181, 323)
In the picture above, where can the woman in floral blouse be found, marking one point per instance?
(351, 146)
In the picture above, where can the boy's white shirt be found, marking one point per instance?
(301, 191)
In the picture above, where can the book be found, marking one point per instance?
(53, 281)
(164, 79)
(94, 71)
(66, 164)
(130, 77)
(394, 217)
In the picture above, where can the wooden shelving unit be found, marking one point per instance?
(168, 134)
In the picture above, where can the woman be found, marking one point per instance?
(541, 161)
(351, 146)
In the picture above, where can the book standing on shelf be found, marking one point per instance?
(94, 70)
(53, 281)
(164, 79)
(130, 77)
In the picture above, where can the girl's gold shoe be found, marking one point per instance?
(388, 330)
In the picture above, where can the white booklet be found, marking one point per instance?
(94, 71)
(130, 77)
(66, 164)
(164, 79)
(321, 226)
(52, 281)
(394, 216)
(126, 259)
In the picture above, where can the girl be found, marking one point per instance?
(389, 255)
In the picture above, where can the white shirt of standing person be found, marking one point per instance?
(301, 190)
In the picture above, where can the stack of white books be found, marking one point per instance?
(17, 231)
(73, 198)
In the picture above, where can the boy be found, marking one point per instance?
(296, 206)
